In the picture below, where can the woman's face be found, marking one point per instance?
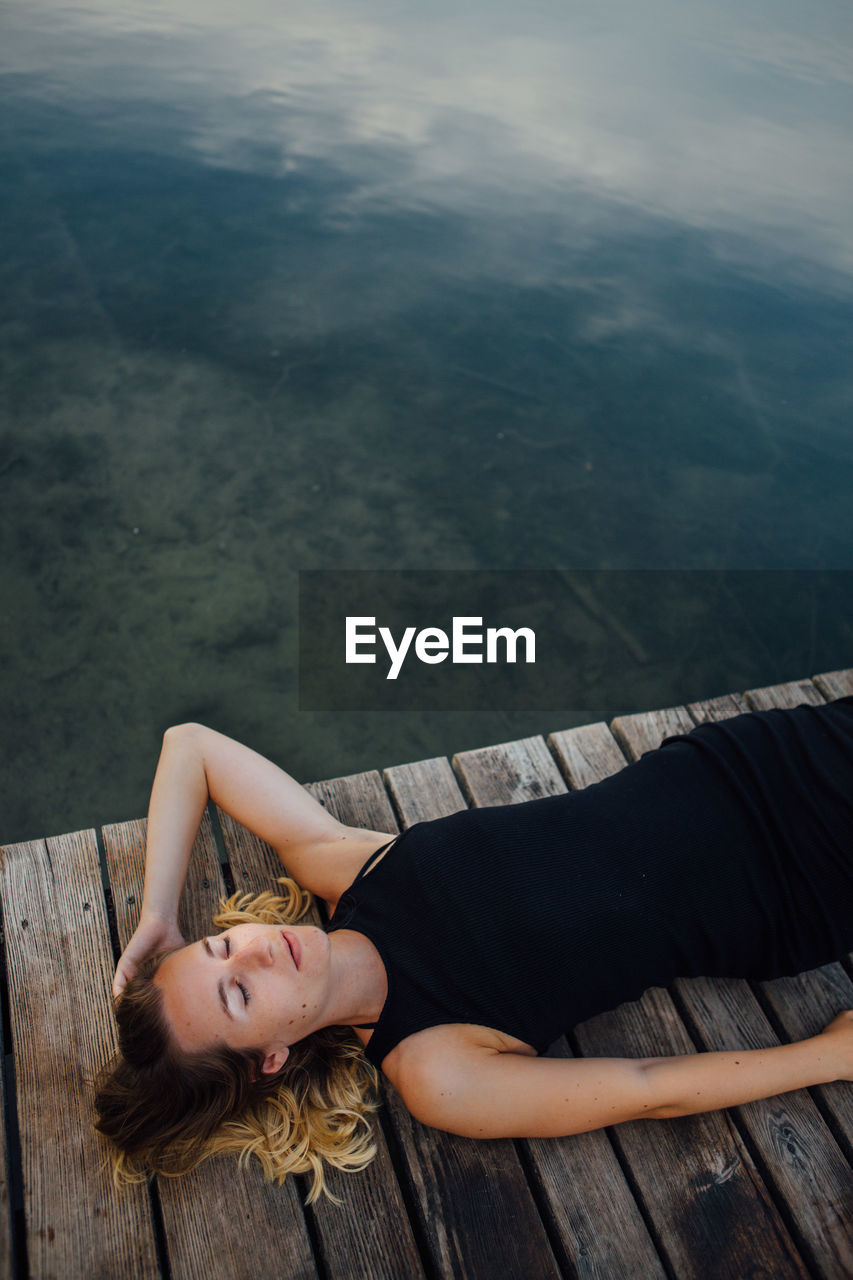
(255, 986)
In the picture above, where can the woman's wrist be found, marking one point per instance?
(689, 1083)
(158, 913)
(834, 1049)
(827, 1058)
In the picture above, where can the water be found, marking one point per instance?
(371, 286)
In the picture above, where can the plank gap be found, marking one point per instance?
(655, 1234)
(302, 1184)
(841, 1137)
(161, 1249)
(777, 1197)
(221, 851)
(14, 1173)
(11, 1153)
(216, 832)
(107, 890)
(540, 1200)
(769, 1012)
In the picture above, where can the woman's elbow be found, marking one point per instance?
(177, 733)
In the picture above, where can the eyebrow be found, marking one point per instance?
(220, 986)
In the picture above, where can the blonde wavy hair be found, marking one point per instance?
(165, 1111)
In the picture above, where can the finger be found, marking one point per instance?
(120, 981)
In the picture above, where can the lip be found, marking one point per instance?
(294, 947)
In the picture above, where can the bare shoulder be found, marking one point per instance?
(430, 1065)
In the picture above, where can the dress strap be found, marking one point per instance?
(371, 860)
(365, 1026)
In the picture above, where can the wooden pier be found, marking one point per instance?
(760, 1190)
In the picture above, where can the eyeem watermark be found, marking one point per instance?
(433, 645)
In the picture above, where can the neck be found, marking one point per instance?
(359, 984)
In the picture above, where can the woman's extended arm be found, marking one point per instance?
(485, 1094)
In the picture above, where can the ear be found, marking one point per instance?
(274, 1062)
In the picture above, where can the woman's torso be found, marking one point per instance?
(516, 922)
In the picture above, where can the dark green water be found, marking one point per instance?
(366, 286)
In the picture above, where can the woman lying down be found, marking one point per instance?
(457, 951)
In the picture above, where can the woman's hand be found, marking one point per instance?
(152, 934)
(838, 1036)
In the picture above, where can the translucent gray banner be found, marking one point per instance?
(405, 640)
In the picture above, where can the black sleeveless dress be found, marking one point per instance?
(727, 851)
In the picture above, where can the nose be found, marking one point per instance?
(256, 951)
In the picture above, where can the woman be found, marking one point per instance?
(458, 950)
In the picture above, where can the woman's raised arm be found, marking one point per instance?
(197, 764)
(481, 1093)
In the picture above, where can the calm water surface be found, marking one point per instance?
(369, 286)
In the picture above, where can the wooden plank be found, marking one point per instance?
(516, 771)
(7, 1261)
(369, 1234)
(798, 1153)
(797, 1150)
(587, 753)
(790, 694)
(355, 795)
(639, 733)
(265, 1224)
(424, 790)
(835, 684)
(60, 968)
(698, 1182)
(723, 708)
(692, 1172)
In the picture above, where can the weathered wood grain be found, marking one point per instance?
(588, 753)
(517, 771)
(646, 730)
(355, 795)
(835, 684)
(60, 970)
(219, 1221)
(790, 694)
(7, 1261)
(722, 708)
(803, 1005)
(369, 1233)
(698, 1182)
(427, 789)
(798, 1154)
(591, 1208)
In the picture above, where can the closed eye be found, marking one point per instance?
(244, 993)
